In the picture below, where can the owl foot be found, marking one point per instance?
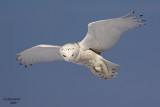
(98, 69)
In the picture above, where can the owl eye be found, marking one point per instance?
(64, 55)
(72, 54)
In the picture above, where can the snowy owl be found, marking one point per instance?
(101, 36)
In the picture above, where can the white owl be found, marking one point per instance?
(102, 35)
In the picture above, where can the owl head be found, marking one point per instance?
(69, 51)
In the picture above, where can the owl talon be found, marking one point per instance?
(98, 69)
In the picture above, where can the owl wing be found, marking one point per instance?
(38, 54)
(104, 34)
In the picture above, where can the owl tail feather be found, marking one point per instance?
(112, 68)
(106, 70)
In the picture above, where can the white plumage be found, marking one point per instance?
(102, 35)
(39, 53)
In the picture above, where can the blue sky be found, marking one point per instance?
(24, 24)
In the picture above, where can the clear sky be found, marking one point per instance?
(26, 23)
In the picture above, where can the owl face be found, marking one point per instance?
(69, 51)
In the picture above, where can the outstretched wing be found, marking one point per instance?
(104, 34)
(38, 54)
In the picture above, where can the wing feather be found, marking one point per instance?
(104, 34)
(38, 54)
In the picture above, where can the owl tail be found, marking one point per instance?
(112, 68)
(106, 70)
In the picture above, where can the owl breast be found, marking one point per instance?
(87, 58)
